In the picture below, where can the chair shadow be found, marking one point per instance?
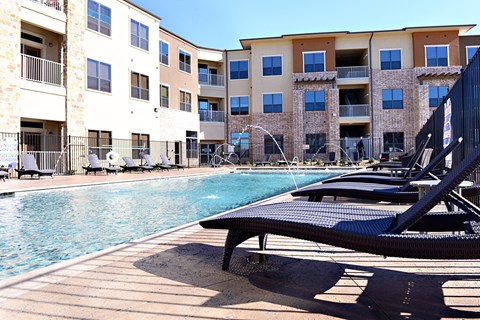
(303, 284)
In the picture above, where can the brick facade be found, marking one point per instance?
(10, 66)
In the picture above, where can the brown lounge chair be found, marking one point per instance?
(368, 230)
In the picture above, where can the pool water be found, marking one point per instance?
(40, 228)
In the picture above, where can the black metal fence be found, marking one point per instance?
(464, 98)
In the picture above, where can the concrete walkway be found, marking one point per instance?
(177, 274)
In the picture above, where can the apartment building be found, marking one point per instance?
(324, 92)
(106, 71)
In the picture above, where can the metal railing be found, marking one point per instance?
(353, 111)
(215, 80)
(42, 70)
(53, 4)
(352, 72)
(211, 116)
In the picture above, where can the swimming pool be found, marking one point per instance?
(40, 228)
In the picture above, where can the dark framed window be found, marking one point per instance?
(239, 105)
(239, 69)
(316, 142)
(314, 100)
(241, 141)
(192, 144)
(140, 145)
(437, 56)
(138, 35)
(164, 52)
(164, 96)
(100, 142)
(435, 96)
(313, 61)
(139, 85)
(99, 76)
(272, 66)
(471, 50)
(99, 18)
(270, 147)
(203, 73)
(392, 99)
(390, 59)
(185, 101)
(184, 61)
(393, 142)
(272, 102)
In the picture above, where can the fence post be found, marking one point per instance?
(69, 155)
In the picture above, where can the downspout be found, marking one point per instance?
(226, 99)
(371, 95)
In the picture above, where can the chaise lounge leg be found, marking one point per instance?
(234, 238)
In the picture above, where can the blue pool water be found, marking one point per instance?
(40, 228)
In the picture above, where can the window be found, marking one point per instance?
(139, 86)
(471, 50)
(390, 59)
(270, 145)
(239, 105)
(272, 66)
(192, 144)
(203, 73)
(138, 35)
(313, 61)
(164, 96)
(437, 56)
(99, 18)
(239, 69)
(164, 48)
(98, 76)
(100, 142)
(242, 140)
(435, 96)
(316, 142)
(314, 100)
(393, 142)
(272, 102)
(140, 145)
(392, 98)
(185, 101)
(184, 61)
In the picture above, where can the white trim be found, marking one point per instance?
(169, 55)
(95, 31)
(230, 69)
(169, 93)
(130, 35)
(191, 61)
(390, 49)
(130, 87)
(466, 51)
(273, 55)
(42, 46)
(240, 96)
(111, 78)
(180, 101)
(263, 106)
(434, 46)
(324, 59)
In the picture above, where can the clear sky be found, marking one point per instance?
(220, 24)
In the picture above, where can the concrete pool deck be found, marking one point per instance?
(177, 274)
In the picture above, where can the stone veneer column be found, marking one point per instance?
(298, 123)
(421, 107)
(74, 46)
(10, 66)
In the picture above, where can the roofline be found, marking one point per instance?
(142, 9)
(461, 26)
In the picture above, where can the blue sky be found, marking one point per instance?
(220, 24)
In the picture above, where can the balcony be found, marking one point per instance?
(211, 116)
(352, 72)
(52, 4)
(354, 113)
(214, 80)
(41, 71)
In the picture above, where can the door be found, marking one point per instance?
(178, 152)
(213, 76)
(207, 151)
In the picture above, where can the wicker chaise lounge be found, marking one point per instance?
(379, 232)
(375, 191)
